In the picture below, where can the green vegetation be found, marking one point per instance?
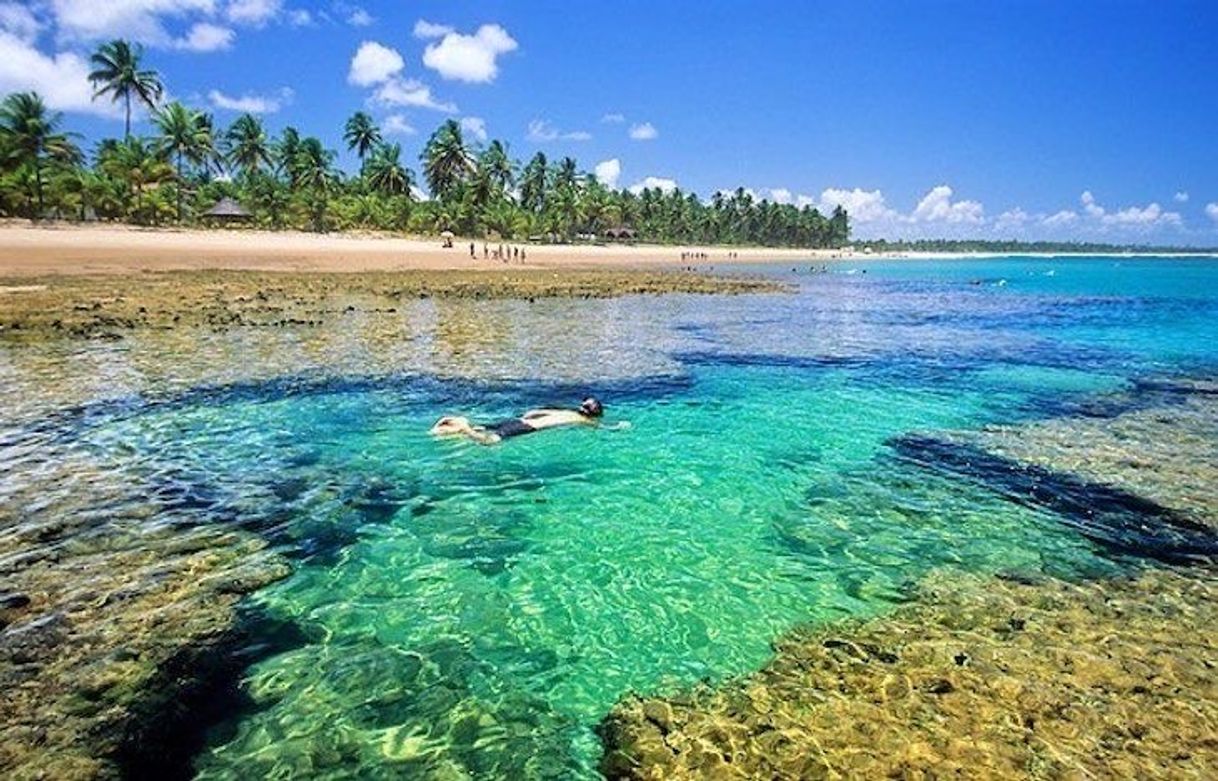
(292, 182)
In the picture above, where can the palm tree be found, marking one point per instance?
(139, 166)
(247, 144)
(116, 72)
(446, 160)
(31, 136)
(187, 135)
(361, 134)
(314, 167)
(533, 183)
(566, 175)
(286, 152)
(385, 173)
(498, 167)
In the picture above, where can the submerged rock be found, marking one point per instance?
(1106, 679)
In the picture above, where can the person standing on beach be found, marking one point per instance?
(471, 251)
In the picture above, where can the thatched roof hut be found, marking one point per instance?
(620, 233)
(227, 210)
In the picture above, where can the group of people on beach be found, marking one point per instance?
(508, 254)
(705, 255)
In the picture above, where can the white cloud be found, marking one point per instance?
(1089, 205)
(643, 132)
(542, 131)
(938, 206)
(61, 79)
(206, 37)
(19, 21)
(654, 183)
(471, 58)
(613, 119)
(373, 64)
(1152, 214)
(1180, 197)
(862, 205)
(396, 125)
(1012, 219)
(138, 20)
(1061, 218)
(299, 17)
(254, 104)
(474, 126)
(360, 18)
(780, 195)
(255, 13)
(409, 92)
(608, 172)
(427, 30)
(1211, 210)
(1130, 217)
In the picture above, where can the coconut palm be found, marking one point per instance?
(141, 167)
(247, 145)
(286, 152)
(361, 134)
(31, 137)
(385, 173)
(533, 183)
(314, 171)
(498, 167)
(447, 161)
(187, 135)
(116, 72)
(567, 175)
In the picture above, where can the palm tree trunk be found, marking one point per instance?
(179, 188)
(38, 186)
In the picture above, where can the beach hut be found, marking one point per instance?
(619, 234)
(227, 211)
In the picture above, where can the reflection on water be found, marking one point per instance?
(475, 611)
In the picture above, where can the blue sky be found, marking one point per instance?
(1091, 120)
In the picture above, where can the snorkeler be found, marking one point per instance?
(588, 414)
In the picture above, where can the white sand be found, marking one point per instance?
(27, 250)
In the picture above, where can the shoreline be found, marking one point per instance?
(68, 249)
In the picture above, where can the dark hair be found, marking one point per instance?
(591, 408)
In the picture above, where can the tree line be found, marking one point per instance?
(290, 181)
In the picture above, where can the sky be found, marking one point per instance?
(1028, 119)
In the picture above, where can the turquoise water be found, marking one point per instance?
(473, 611)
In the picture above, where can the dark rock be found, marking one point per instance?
(12, 600)
(33, 640)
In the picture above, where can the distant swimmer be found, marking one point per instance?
(588, 414)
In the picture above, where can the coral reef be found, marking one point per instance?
(983, 677)
(114, 625)
(110, 306)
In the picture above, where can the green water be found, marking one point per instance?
(474, 611)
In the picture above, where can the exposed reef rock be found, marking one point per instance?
(982, 678)
(110, 306)
(114, 629)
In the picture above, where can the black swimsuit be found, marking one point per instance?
(510, 428)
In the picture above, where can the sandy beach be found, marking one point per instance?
(27, 250)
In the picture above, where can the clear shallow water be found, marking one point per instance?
(478, 610)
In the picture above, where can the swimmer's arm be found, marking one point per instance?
(482, 436)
